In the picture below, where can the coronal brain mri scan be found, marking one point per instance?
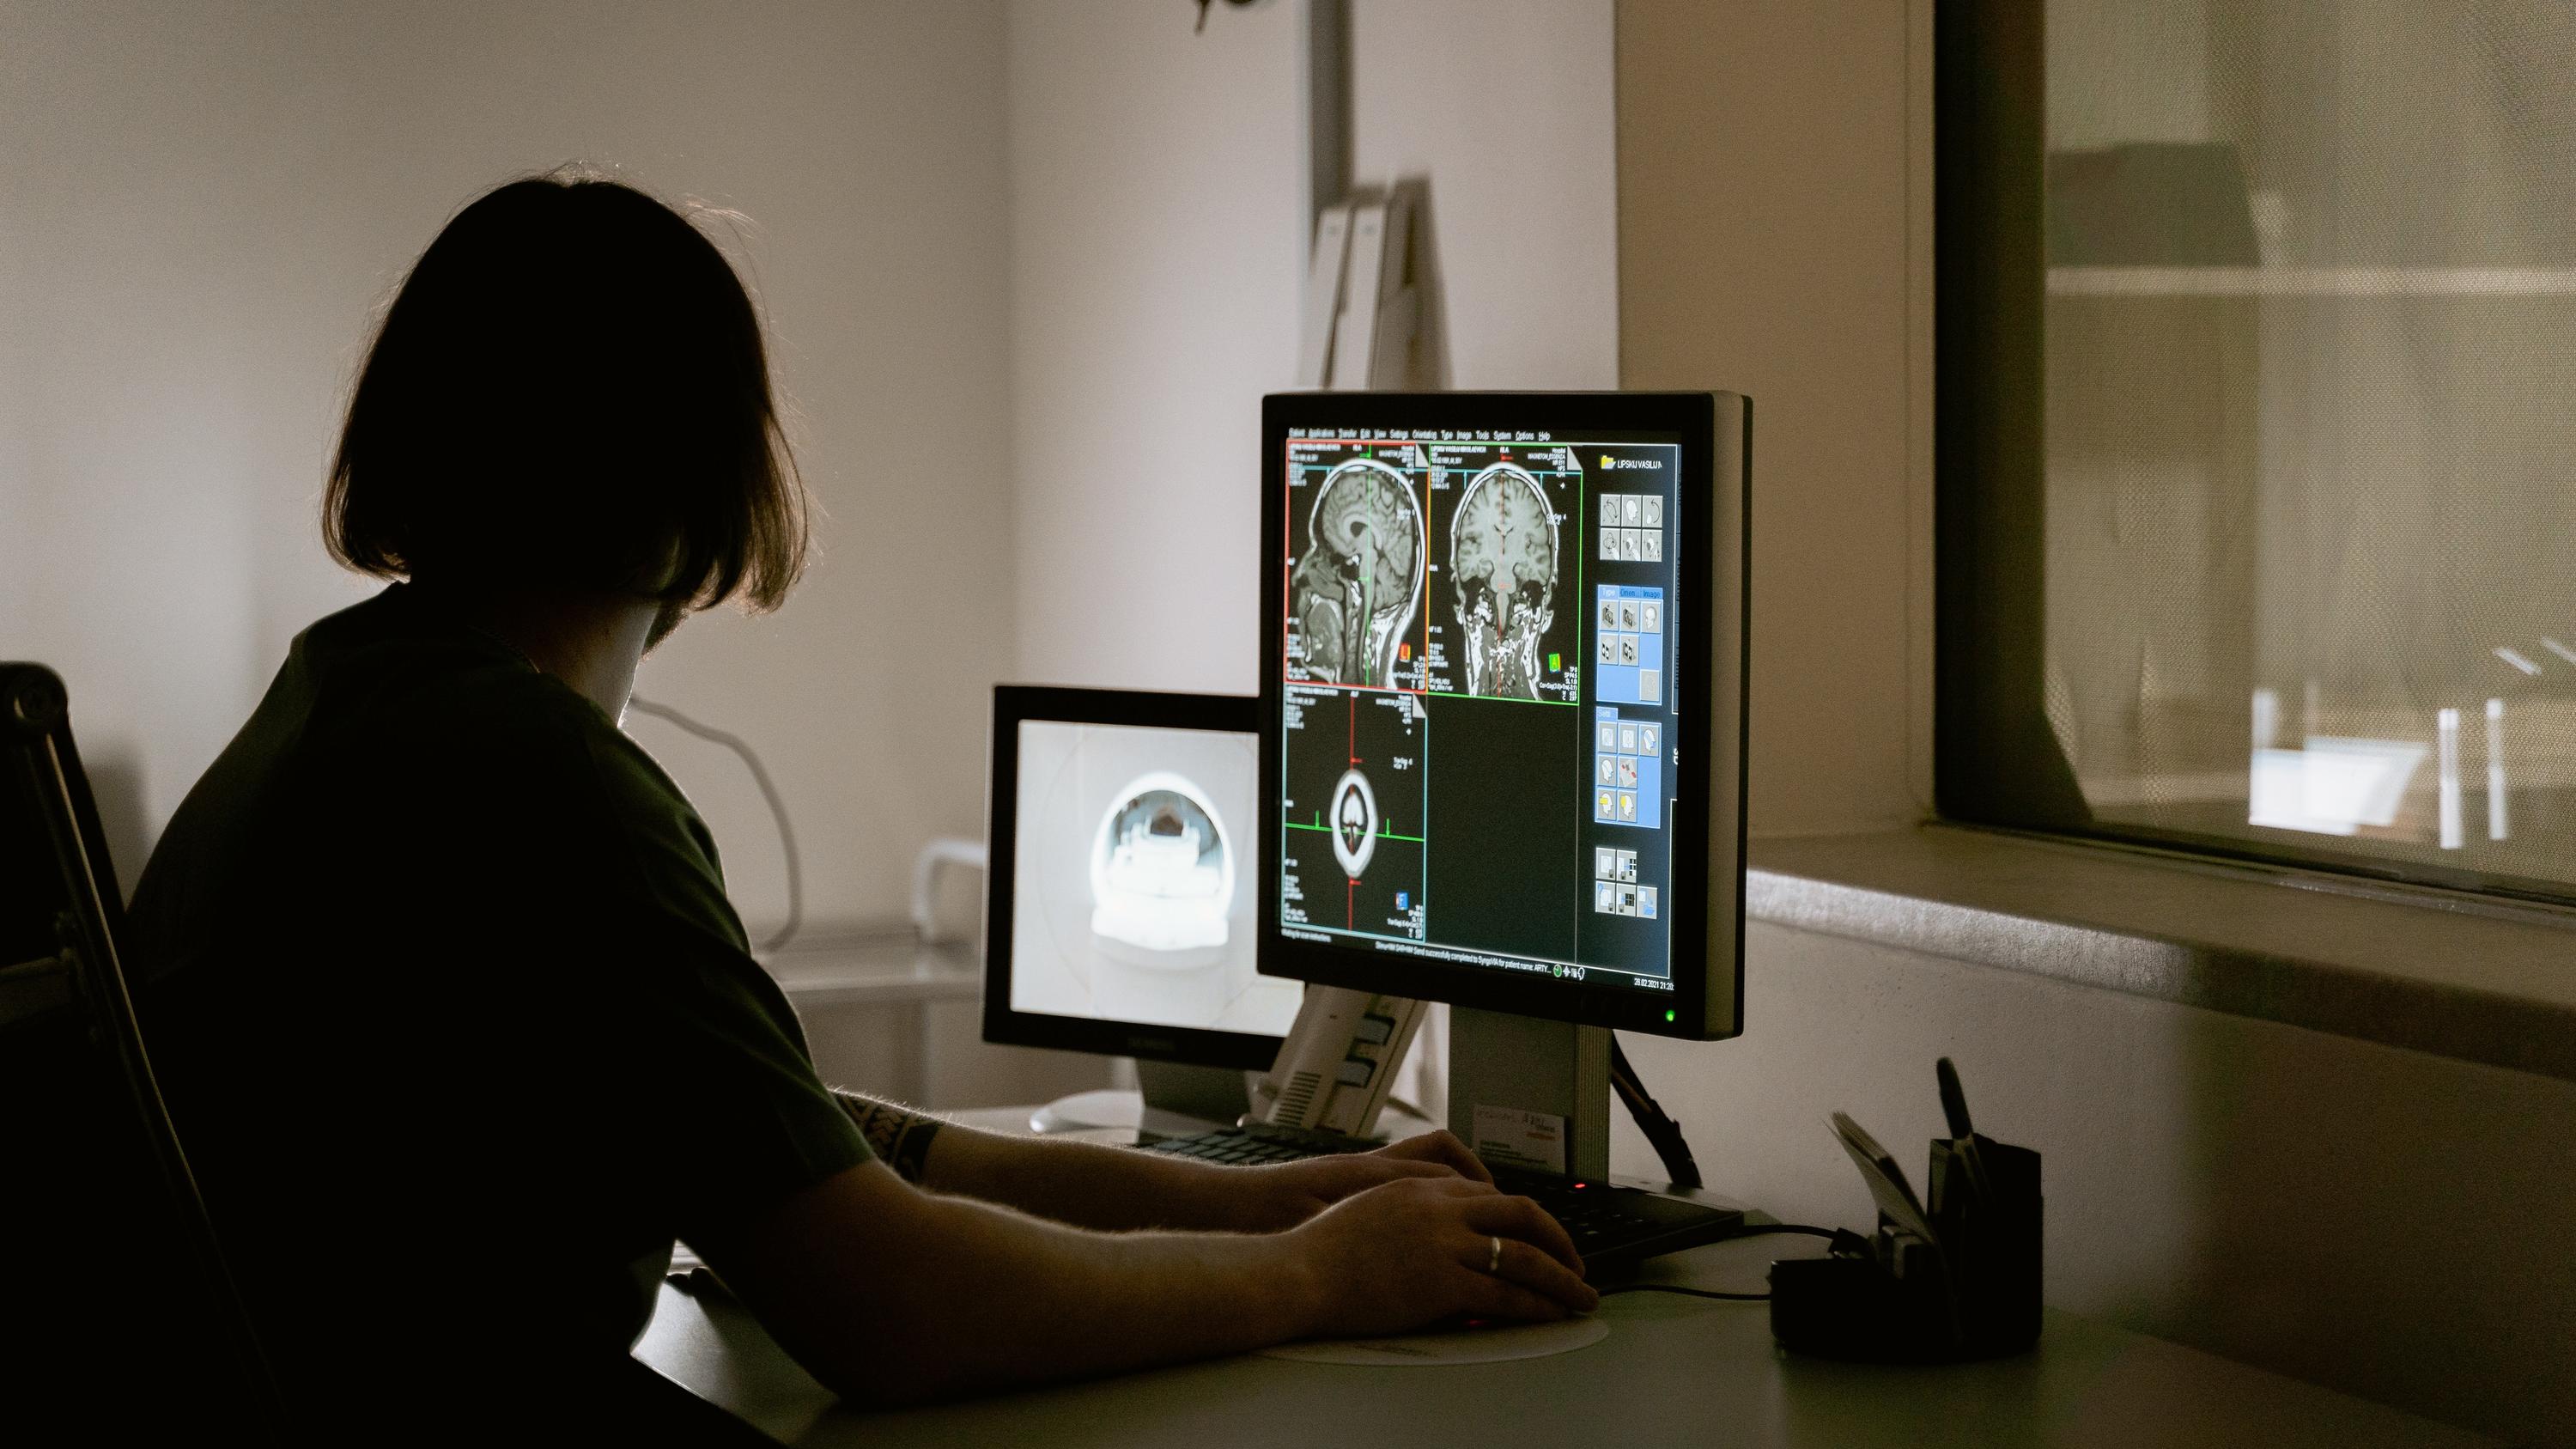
(1134, 886)
(1502, 567)
(1358, 588)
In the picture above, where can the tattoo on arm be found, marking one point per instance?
(899, 1136)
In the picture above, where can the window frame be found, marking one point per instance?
(1997, 762)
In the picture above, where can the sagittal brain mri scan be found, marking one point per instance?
(1502, 567)
(1162, 874)
(1359, 586)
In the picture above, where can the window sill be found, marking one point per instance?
(2430, 971)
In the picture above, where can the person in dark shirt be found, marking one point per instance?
(446, 992)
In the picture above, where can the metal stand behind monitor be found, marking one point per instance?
(1518, 1064)
(1501, 1062)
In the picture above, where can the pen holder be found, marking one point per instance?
(1970, 1291)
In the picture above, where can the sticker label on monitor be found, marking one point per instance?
(1511, 1137)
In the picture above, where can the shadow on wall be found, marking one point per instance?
(1427, 356)
(1409, 341)
(2421, 1190)
(116, 783)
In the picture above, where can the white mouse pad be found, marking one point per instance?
(1466, 1345)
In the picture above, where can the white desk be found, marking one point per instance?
(1673, 1371)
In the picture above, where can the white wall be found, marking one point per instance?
(1774, 241)
(1503, 108)
(1158, 245)
(205, 202)
(1157, 183)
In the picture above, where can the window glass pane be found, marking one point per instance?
(2310, 352)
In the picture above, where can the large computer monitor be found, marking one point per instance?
(1119, 901)
(1502, 702)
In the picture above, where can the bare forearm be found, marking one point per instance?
(1085, 1184)
(890, 1294)
(937, 1296)
(1000, 1300)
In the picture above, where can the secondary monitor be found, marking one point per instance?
(1502, 701)
(1119, 902)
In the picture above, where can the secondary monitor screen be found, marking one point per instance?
(1133, 872)
(1484, 704)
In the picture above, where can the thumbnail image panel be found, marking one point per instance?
(1506, 620)
(1351, 855)
(1357, 545)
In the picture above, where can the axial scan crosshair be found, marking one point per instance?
(1358, 587)
(1502, 562)
(1354, 823)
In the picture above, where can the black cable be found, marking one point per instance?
(1661, 1131)
(1686, 1292)
(768, 791)
(1755, 1231)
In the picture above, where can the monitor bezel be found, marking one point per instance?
(1013, 705)
(1702, 1010)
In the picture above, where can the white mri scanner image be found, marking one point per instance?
(1133, 880)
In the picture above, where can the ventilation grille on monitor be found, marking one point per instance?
(1299, 1097)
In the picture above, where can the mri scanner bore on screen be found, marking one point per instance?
(1119, 912)
(1162, 875)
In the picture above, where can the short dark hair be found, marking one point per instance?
(570, 392)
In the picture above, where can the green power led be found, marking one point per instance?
(1668, 1016)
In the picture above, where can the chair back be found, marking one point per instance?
(122, 1317)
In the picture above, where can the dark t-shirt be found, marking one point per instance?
(457, 1025)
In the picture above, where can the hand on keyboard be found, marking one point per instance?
(1421, 1249)
(1281, 1195)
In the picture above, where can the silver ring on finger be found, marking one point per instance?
(1494, 1264)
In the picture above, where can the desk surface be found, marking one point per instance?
(1674, 1370)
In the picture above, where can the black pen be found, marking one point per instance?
(1954, 1106)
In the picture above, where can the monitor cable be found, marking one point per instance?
(1845, 1243)
(1661, 1130)
(768, 791)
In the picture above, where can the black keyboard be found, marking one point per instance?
(1616, 1226)
(1258, 1142)
(1611, 1226)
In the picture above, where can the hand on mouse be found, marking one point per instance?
(1419, 1249)
(1281, 1195)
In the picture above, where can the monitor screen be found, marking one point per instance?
(1488, 702)
(1130, 888)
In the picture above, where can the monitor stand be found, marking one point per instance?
(1543, 1088)
(1173, 1099)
